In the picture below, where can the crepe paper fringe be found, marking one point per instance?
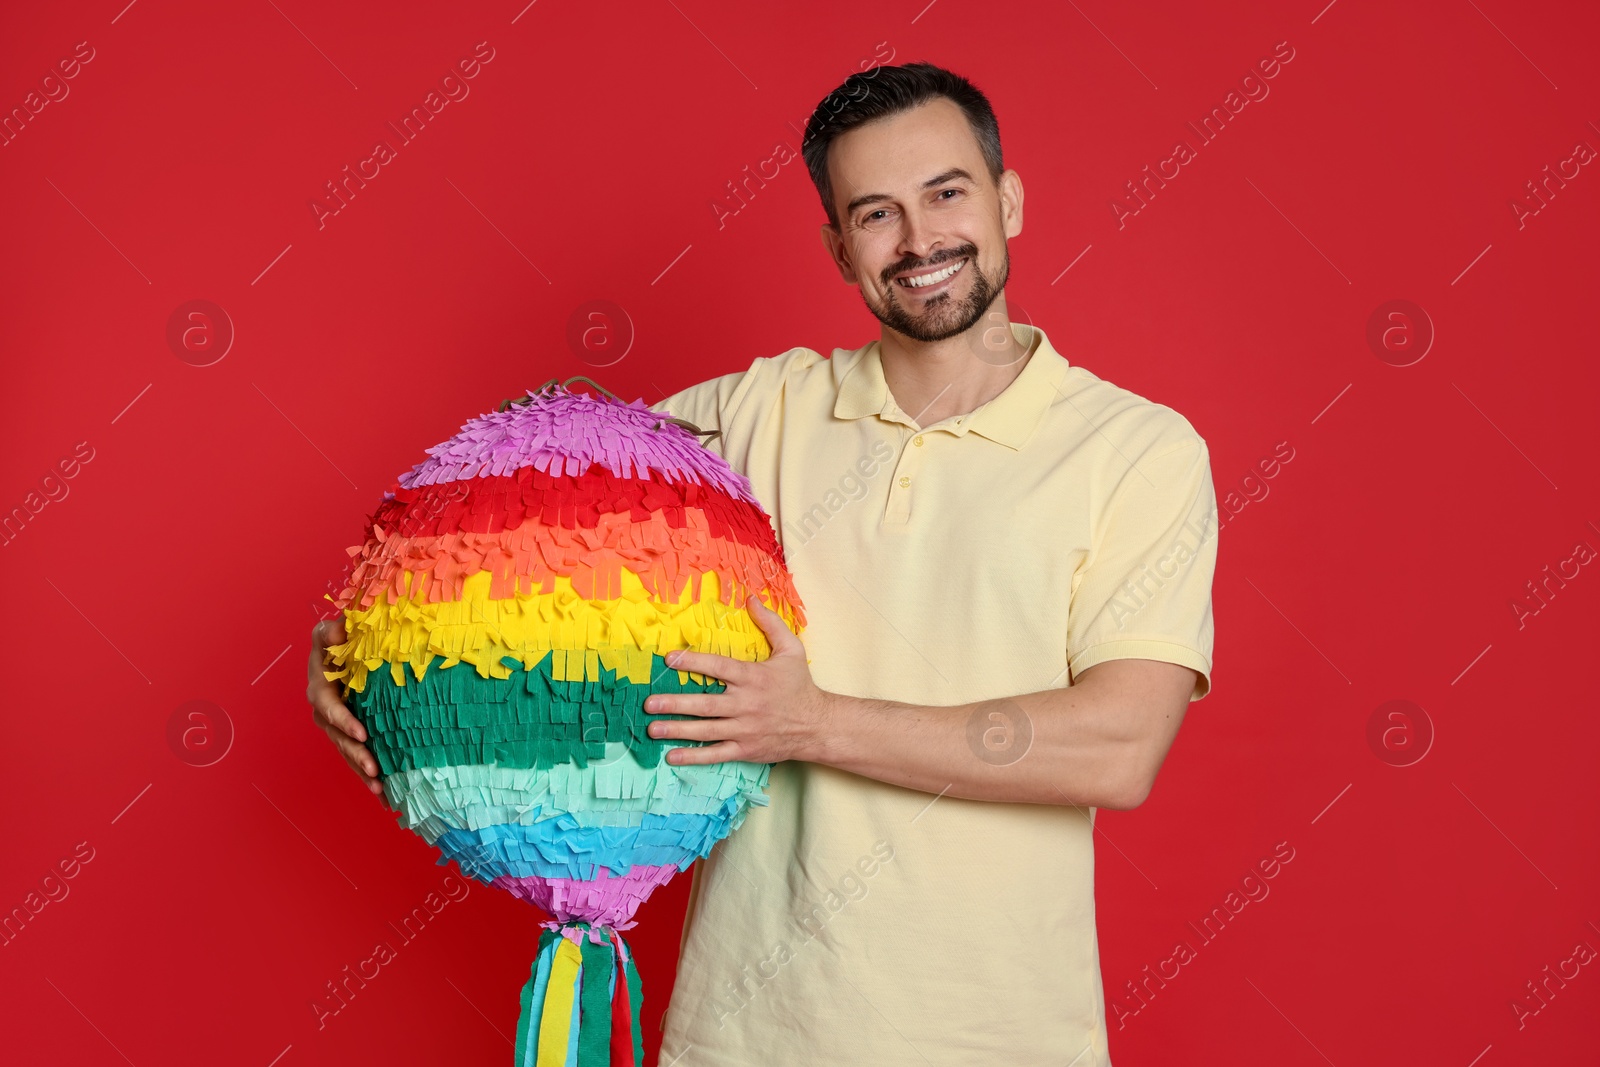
(560, 848)
(529, 558)
(486, 632)
(492, 505)
(452, 717)
(416, 795)
(580, 1006)
(609, 900)
(566, 433)
(472, 797)
(571, 502)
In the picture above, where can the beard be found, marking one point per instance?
(943, 316)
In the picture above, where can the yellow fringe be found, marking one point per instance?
(581, 635)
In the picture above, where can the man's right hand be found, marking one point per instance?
(328, 710)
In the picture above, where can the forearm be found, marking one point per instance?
(1060, 746)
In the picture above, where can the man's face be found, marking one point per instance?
(915, 199)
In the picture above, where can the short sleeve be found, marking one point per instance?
(736, 404)
(707, 404)
(712, 403)
(1144, 590)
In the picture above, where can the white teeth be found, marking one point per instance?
(934, 278)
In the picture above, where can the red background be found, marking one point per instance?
(1380, 564)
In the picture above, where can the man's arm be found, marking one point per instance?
(1139, 640)
(1099, 743)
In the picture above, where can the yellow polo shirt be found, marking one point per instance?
(1064, 523)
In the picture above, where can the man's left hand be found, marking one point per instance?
(770, 711)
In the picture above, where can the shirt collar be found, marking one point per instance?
(1008, 419)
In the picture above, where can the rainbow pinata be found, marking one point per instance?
(506, 617)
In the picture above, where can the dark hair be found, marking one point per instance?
(883, 91)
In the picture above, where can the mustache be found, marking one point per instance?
(964, 252)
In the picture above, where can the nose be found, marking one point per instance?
(917, 236)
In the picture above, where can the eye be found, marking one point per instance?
(943, 191)
(871, 216)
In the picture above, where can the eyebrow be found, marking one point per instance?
(950, 175)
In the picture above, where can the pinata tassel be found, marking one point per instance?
(580, 1004)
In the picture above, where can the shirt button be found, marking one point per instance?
(905, 483)
(917, 440)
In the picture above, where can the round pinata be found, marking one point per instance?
(506, 616)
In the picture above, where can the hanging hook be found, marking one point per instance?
(593, 384)
(528, 399)
(690, 427)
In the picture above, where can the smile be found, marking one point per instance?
(922, 281)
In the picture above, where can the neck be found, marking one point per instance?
(936, 380)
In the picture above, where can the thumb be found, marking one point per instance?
(329, 632)
(779, 636)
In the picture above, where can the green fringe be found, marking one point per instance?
(453, 717)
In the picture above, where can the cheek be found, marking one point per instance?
(871, 261)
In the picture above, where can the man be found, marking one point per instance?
(1006, 564)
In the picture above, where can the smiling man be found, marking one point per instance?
(1006, 563)
(1005, 630)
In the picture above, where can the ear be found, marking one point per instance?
(1011, 202)
(834, 243)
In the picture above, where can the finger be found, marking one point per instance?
(331, 711)
(316, 678)
(690, 729)
(698, 755)
(723, 668)
(779, 636)
(329, 632)
(373, 782)
(325, 633)
(705, 704)
(358, 756)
